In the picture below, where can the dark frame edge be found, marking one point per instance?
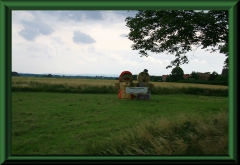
(8, 80)
(3, 100)
(5, 80)
(233, 59)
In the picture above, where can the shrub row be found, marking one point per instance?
(64, 88)
(225, 83)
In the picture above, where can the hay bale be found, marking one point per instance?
(143, 81)
(123, 85)
(117, 85)
(143, 76)
(142, 84)
(126, 76)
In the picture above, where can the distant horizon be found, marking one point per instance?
(85, 74)
(64, 74)
(106, 75)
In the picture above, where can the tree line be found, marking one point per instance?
(177, 75)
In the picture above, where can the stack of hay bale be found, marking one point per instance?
(143, 81)
(125, 80)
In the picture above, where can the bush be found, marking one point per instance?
(222, 78)
(190, 80)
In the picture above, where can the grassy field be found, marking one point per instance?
(94, 86)
(46, 123)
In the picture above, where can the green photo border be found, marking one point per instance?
(6, 7)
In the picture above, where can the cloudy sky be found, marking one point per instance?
(89, 42)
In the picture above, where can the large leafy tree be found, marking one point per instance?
(178, 32)
(176, 74)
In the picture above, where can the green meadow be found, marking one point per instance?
(66, 122)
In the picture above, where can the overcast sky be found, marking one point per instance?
(89, 42)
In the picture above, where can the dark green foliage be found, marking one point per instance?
(225, 71)
(213, 76)
(49, 75)
(175, 31)
(176, 74)
(194, 76)
(190, 80)
(15, 74)
(168, 79)
(222, 78)
(155, 78)
(135, 77)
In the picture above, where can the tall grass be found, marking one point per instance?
(185, 136)
(63, 85)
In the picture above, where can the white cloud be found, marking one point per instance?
(44, 42)
(123, 35)
(196, 61)
(83, 38)
(166, 61)
(199, 62)
(92, 60)
(130, 63)
(203, 62)
(115, 57)
(33, 28)
(57, 40)
(151, 60)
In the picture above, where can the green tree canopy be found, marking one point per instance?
(15, 74)
(155, 78)
(194, 75)
(176, 74)
(213, 76)
(177, 31)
